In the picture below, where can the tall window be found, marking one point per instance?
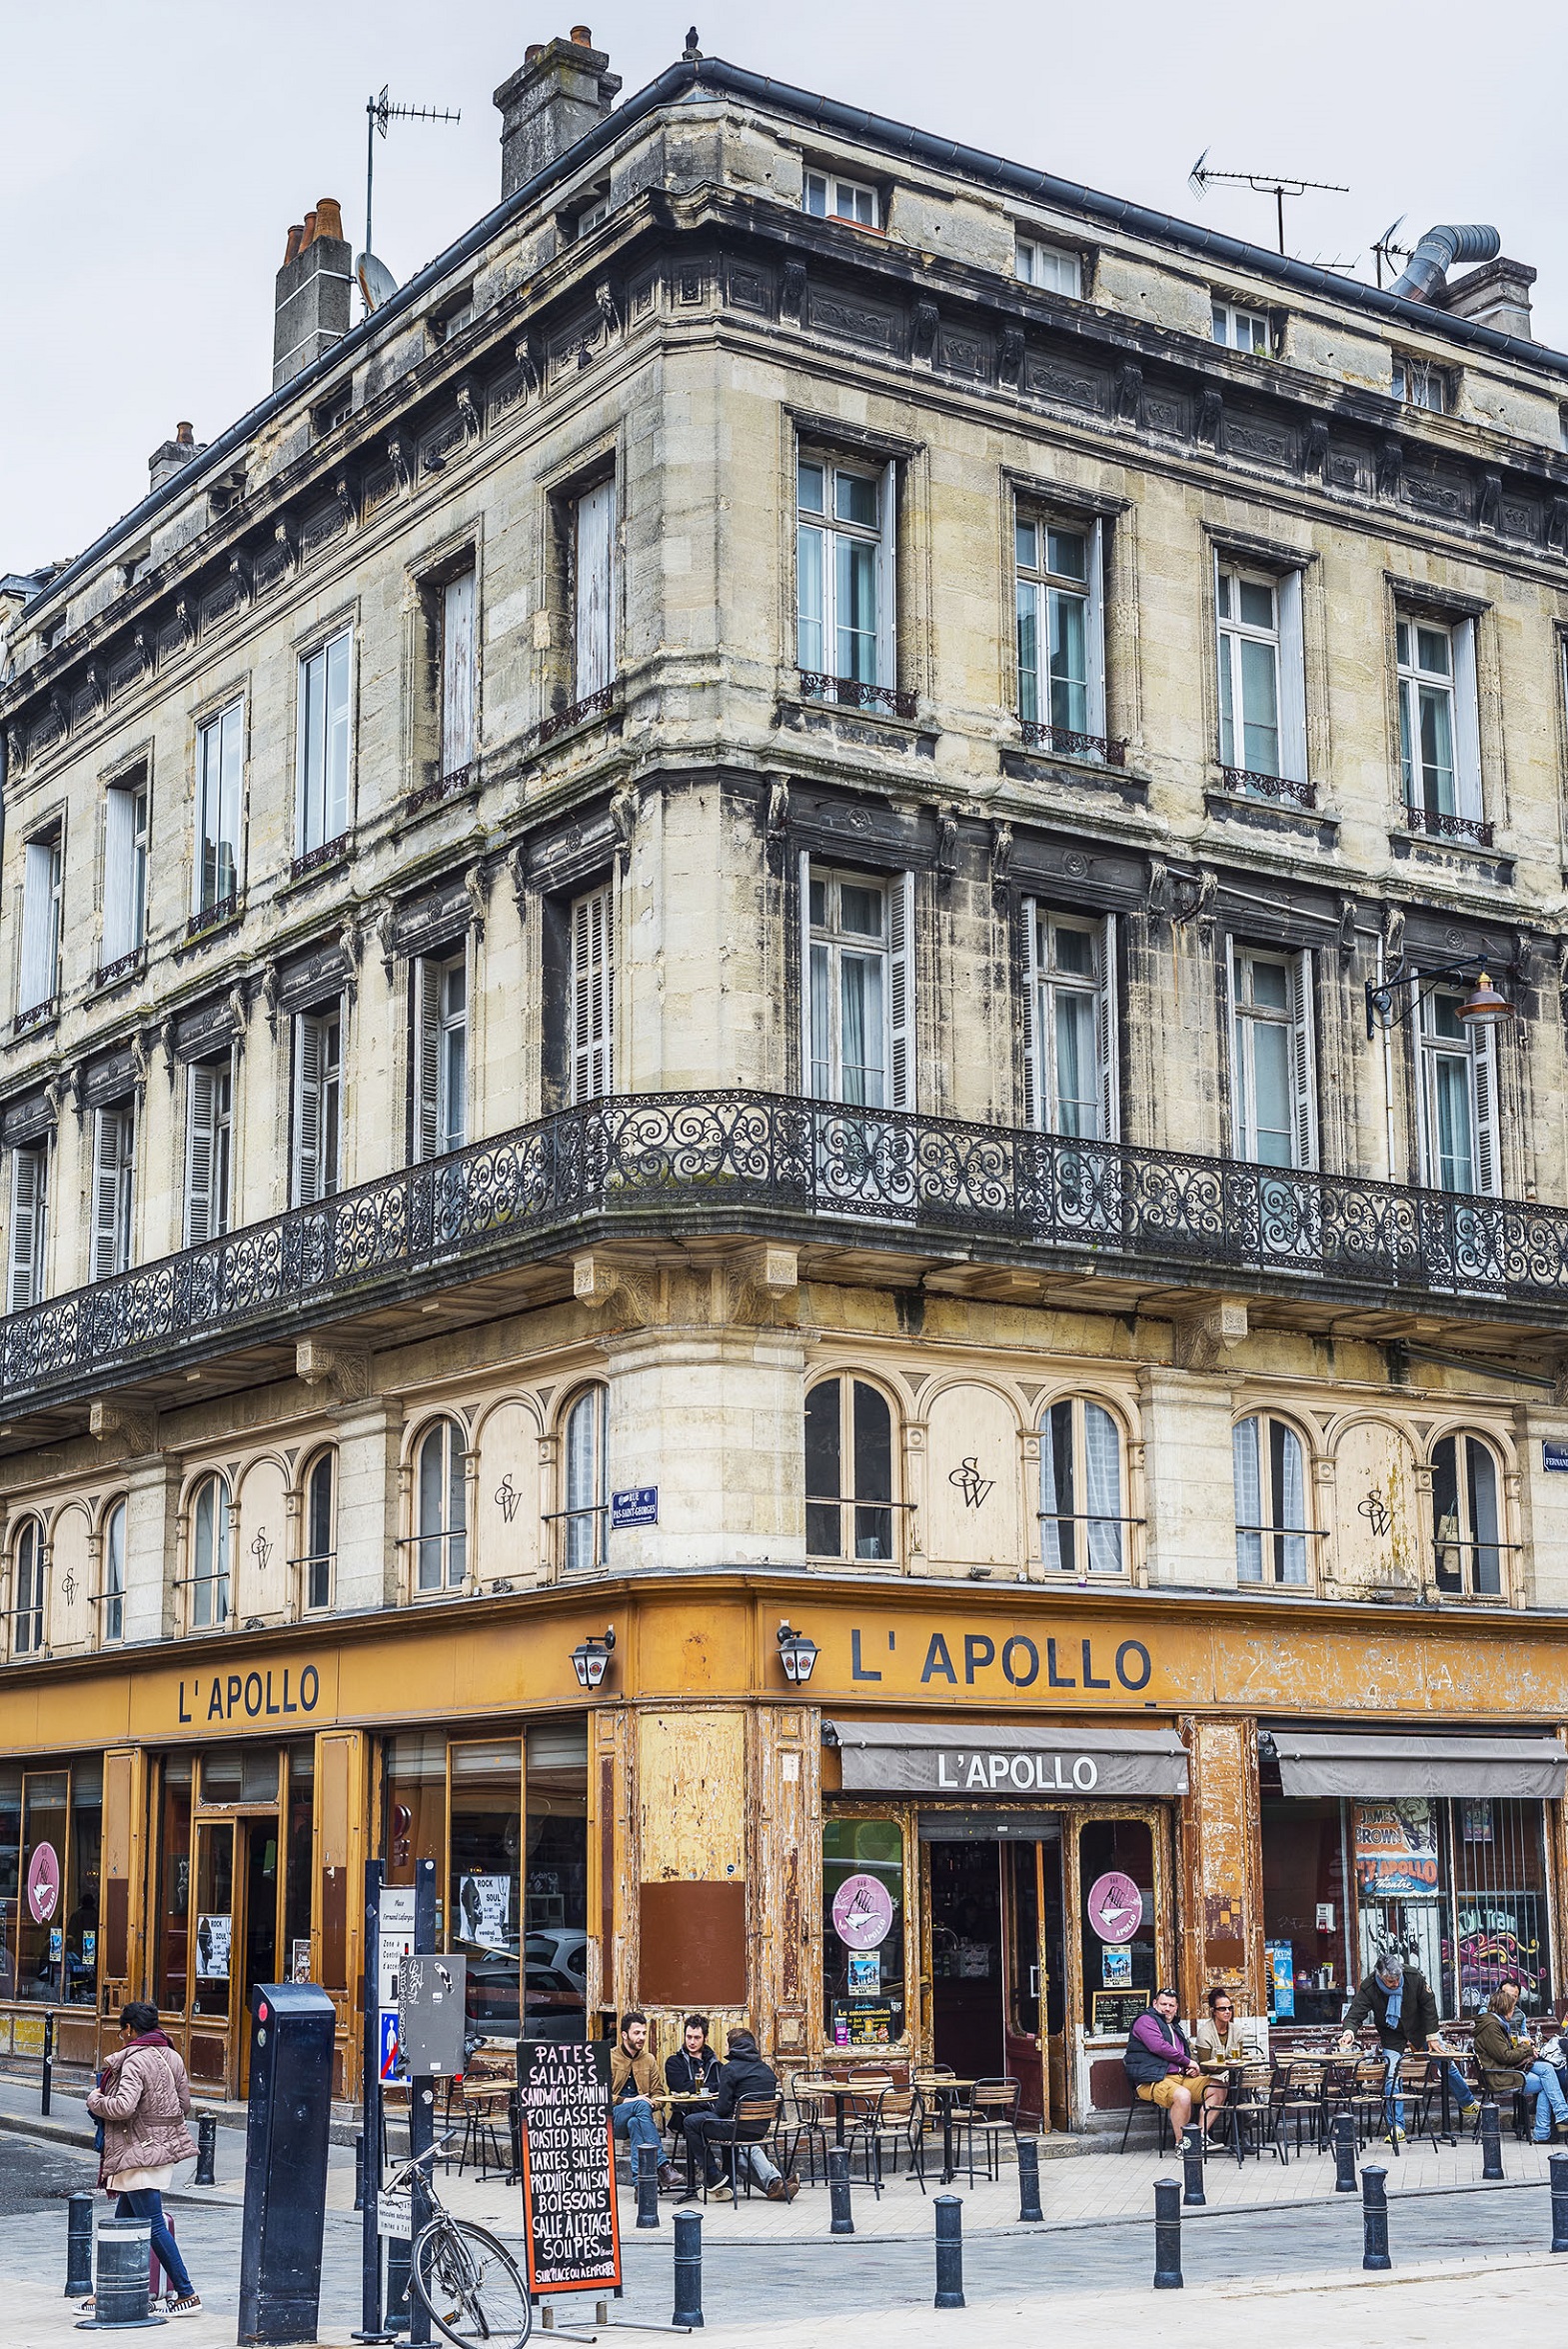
(322, 749)
(27, 1621)
(1262, 684)
(456, 674)
(441, 1055)
(1241, 328)
(1273, 1075)
(441, 1509)
(114, 1176)
(208, 1150)
(860, 1043)
(220, 764)
(848, 1471)
(1080, 1489)
(1049, 265)
(28, 1239)
(321, 1530)
(845, 574)
(1468, 1555)
(586, 1513)
(112, 1622)
(210, 1554)
(1060, 665)
(1069, 1023)
(594, 591)
(829, 197)
(1439, 739)
(38, 973)
(593, 994)
(318, 1100)
(1456, 1100)
(1272, 1521)
(125, 871)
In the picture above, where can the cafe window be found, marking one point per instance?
(171, 1929)
(1468, 1556)
(1116, 1907)
(209, 1577)
(1080, 1512)
(485, 1852)
(555, 1912)
(848, 1471)
(51, 1835)
(10, 1872)
(863, 1930)
(441, 1509)
(1306, 1919)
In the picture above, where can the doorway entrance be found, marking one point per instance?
(997, 1963)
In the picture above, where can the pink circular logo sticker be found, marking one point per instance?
(1115, 1906)
(43, 1883)
(863, 1913)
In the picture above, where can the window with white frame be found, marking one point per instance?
(1061, 627)
(209, 1149)
(111, 1626)
(1058, 271)
(125, 871)
(322, 745)
(219, 769)
(1069, 1023)
(29, 1559)
(318, 1105)
(114, 1181)
(1082, 1513)
(586, 1481)
(1456, 1099)
(845, 567)
(27, 1250)
(1439, 721)
(1420, 384)
(1466, 1522)
(1271, 1482)
(320, 1529)
(1273, 1060)
(441, 1509)
(1262, 684)
(857, 958)
(594, 591)
(828, 196)
(457, 649)
(37, 972)
(849, 1471)
(1238, 328)
(440, 1055)
(593, 994)
(209, 1570)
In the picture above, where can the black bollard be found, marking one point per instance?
(1344, 2135)
(1492, 2141)
(1193, 2167)
(949, 2252)
(48, 2089)
(839, 2190)
(1558, 2166)
(1029, 2179)
(1167, 2235)
(359, 2172)
(648, 2185)
(689, 2269)
(206, 2147)
(399, 2254)
(122, 2292)
(1374, 2217)
(79, 2245)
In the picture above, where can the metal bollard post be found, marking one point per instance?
(206, 2147)
(1029, 2179)
(397, 2305)
(1558, 2166)
(839, 2190)
(648, 2185)
(1193, 2167)
(689, 2269)
(1343, 2132)
(1167, 2235)
(1492, 2141)
(1374, 2217)
(79, 2245)
(122, 2295)
(949, 2251)
(48, 2087)
(359, 2172)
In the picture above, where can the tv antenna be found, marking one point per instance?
(1266, 183)
(1386, 250)
(378, 113)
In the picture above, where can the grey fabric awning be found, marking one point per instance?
(1002, 1759)
(1533, 1769)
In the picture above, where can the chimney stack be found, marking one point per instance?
(558, 94)
(1496, 295)
(311, 301)
(165, 462)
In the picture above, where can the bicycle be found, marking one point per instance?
(468, 2283)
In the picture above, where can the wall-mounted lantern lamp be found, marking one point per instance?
(1387, 1004)
(797, 1652)
(589, 1658)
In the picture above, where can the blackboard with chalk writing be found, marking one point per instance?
(568, 2168)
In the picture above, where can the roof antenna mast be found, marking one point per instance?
(1266, 183)
(378, 113)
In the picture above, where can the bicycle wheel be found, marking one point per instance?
(470, 2285)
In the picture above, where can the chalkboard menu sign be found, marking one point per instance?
(568, 2168)
(1115, 2011)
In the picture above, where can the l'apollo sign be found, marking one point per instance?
(1003, 1760)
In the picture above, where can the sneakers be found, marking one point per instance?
(725, 2193)
(1393, 2136)
(190, 2305)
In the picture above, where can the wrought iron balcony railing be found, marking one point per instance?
(1440, 827)
(808, 1170)
(1247, 783)
(1066, 744)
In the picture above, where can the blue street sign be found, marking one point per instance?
(1555, 1455)
(638, 1506)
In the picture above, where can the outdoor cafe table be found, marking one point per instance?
(946, 2093)
(695, 2103)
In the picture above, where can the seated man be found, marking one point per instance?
(745, 2074)
(634, 2090)
(1397, 2001)
(691, 2072)
(1160, 2066)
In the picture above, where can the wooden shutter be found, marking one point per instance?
(594, 618)
(1483, 1051)
(120, 876)
(1238, 1068)
(1292, 679)
(456, 673)
(592, 995)
(1033, 1040)
(888, 580)
(1108, 1035)
(29, 1188)
(1095, 631)
(40, 944)
(200, 1154)
(1467, 724)
(112, 1147)
(901, 989)
(426, 1056)
(307, 1110)
(1303, 1061)
(335, 805)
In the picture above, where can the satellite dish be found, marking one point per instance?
(376, 281)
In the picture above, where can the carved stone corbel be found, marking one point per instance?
(776, 820)
(517, 874)
(1009, 356)
(142, 646)
(383, 925)
(60, 710)
(1347, 925)
(763, 1286)
(1129, 392)
(530, 355)
(604, 304)
(287, 537)
(185, 620)
(1315, 448)
(1393, 931)
(1211, 417)
(1390, 469)
(341, 1369)
(946, 843)
(137, 1430)
(469, 415)
(791, 292)
(143, 1042)
(1196, 899)
(924, 324)
(1158, 900)
(98, 687)
(1002, 853)
(1489, 501)
(398, 459)
(1202, 1341)
(240, 573)
(622, 820)
(342, 491)
(598, 1280)
(476, 883)
(269, 994)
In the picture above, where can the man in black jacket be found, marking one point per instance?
(1397, 2001)
(743, 2075)
(693, 2070)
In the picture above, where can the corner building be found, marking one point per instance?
(685, 947)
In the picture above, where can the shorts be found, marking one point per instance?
(1163, 2091)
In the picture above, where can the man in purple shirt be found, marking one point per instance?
(1160, 2065)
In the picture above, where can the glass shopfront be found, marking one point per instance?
(51, 1843)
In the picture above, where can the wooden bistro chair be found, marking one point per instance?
(753, 2122)
(992, 2109)
(809, 2123)
(899, 2122)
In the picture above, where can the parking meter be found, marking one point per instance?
(287, 2133)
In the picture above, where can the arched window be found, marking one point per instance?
(27, 1629)
(441, 1547)
(586, 1481)
(1271, 1520)
(849, 1471)
(320, 1529)
(1082, 1513)
(210, 1554)
(1465, 1518)
(112, 1622)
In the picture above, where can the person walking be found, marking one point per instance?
(1508, 2060)
(141, 2098)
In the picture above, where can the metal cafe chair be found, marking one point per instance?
(993, 2108)
(898, 2121)
(811, 2102)
(1142, 2105)
(753, 2122)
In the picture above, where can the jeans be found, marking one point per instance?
(147, 2203)
(1459, 2089)
(634, 2119)
(698, 2136)
(1543, 2081)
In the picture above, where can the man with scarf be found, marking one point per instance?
(1397, 2001)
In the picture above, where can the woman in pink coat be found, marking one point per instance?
(142, 2098)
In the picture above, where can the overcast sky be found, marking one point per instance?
(154, 152)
